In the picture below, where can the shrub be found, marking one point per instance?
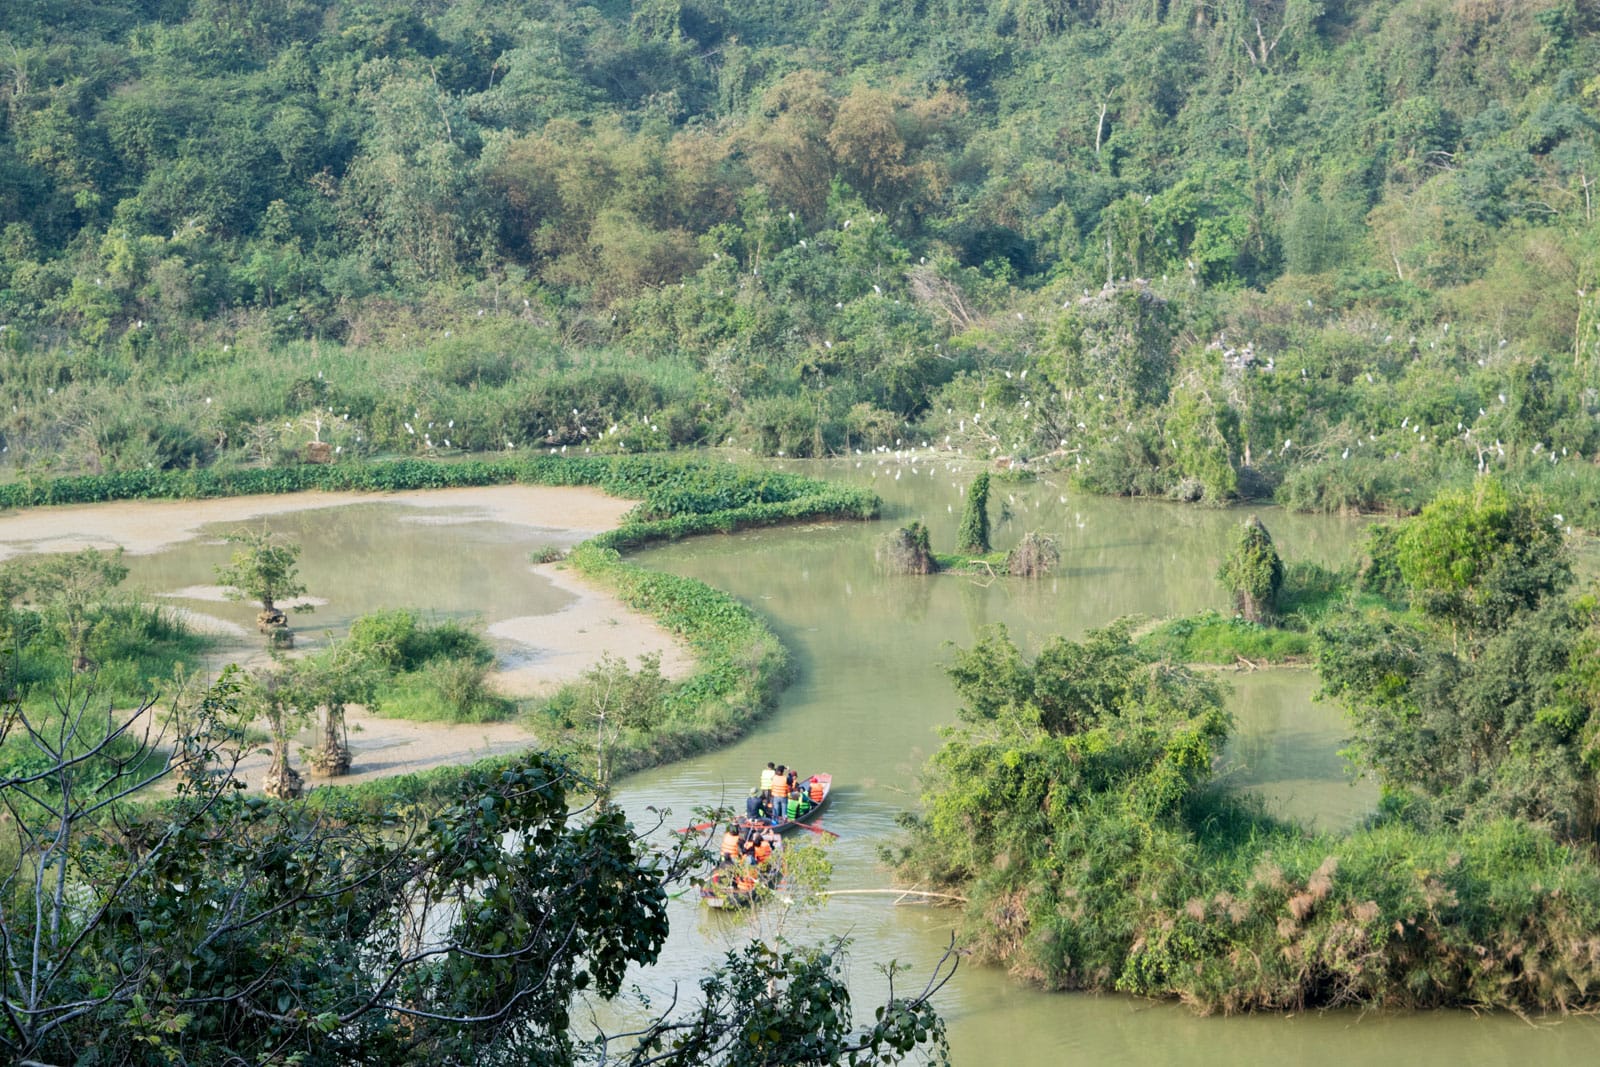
(907, 551)
(1035, 556)
(460, 684)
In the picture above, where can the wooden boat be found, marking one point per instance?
(812, 813)
(716, 894)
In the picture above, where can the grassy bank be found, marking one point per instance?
(741, 666)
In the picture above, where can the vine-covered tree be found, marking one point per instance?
(972, 536)
(1253, 572)
(908, 550)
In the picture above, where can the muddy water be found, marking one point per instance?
(867, 706)
(444, 562)
(870, 699)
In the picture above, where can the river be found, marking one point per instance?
(870, 698)
(867, 705)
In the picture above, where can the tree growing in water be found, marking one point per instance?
(908, 550)
(1253, 572)
(1035, 556)
(972, 537)
(264, 570)
(271, 696)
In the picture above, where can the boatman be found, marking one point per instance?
(752, 805)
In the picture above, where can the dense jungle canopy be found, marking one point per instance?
(1340, 250)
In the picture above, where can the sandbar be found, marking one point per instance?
(553, 649)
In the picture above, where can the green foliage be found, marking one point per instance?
(908, 551)
(1093, 855)
(792, 1005)
(399, 640)
(1474, 559)
(261, 569)
(607, 230)
(1211, 637)
(75, 592)
(972, 536)
(280, 962)
(1253, 572)
(1501, 728)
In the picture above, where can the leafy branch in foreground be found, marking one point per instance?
(785, 1005)
(214, 927)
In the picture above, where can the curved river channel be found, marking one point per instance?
(867, 704)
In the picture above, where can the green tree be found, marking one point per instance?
(326, 683)
(72, 588)
(1474, 558)
(269, 695)
(612, 699)
(972, 536)
(1112, 351)
(1253, 572)
(1510, 731)
(264, 570)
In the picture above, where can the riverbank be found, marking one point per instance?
(726, 665)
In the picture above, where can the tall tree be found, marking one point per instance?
(972, 536)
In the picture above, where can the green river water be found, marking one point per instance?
(867, 704)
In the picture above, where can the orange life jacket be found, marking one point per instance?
(816, 791)
(763, 852)
(730, 844)
(780, 787)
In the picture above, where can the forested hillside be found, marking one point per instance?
(1343, 250)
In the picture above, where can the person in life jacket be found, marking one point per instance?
(780, 795)
(763, 851)
(816, 790)
(766, 779)
(730, 844)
